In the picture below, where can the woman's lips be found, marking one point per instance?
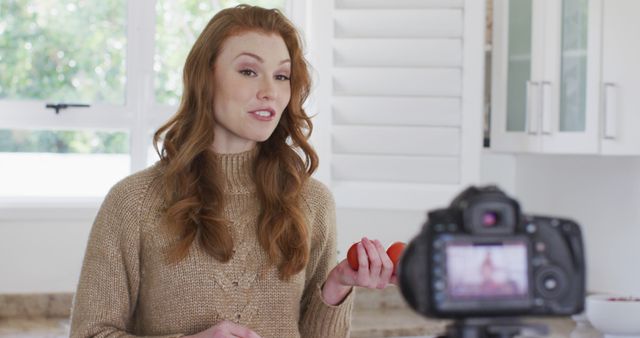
(263, 115)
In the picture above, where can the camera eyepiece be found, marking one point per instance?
(490, 218)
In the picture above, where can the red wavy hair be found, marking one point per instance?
(285, 161)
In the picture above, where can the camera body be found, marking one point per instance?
(481, 257)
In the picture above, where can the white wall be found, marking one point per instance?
(603, 195)
(41, 256)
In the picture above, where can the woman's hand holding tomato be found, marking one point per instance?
(373, 269)
(395, 251)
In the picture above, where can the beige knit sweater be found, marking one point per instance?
(127, 288)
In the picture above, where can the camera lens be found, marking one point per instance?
(489, 219)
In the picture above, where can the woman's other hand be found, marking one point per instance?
(226, 329)
(375, 271)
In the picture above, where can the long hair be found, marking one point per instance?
(192, 183)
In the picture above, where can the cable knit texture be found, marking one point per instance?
(127, 288)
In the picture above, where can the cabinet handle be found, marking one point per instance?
(545, 98)
(609, 107)
(532, 108)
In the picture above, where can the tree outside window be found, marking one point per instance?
(75, 51)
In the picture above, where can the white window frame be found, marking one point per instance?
(140, 114)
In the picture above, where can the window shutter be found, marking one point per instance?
(404, 97)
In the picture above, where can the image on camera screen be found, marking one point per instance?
(487, 271)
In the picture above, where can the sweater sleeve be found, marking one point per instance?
(107, 292)
(319, 319)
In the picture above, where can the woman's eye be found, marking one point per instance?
(247, 72)
(282, 78)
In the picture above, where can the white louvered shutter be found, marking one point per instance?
(402, 81)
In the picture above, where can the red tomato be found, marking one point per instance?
(352, 256)
(395, 251)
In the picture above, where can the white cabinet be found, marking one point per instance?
(564, 76)
(620, 84)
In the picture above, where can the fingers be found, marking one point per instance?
(375, 267)
(387, 266)
(239, 330)
(394, 280)
(363, 260)
(375, 263)
(243, 332)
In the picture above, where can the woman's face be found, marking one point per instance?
(252, 89)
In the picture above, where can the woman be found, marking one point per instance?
(227, 235)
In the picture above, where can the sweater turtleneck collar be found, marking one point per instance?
(237, 170)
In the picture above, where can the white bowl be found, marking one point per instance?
(615, 316)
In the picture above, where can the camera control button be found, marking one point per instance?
(531, 228)
(438, 272)
(538, 302)
(538, 261)
(555, 222)
(541, 247)
(452, 227)
(550, 283)
(438, 244)
(439, 227)
(439, 285)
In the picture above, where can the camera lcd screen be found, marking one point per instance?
(486, 271)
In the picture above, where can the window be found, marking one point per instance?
(119, 61)
(178, 24)
(44, 59)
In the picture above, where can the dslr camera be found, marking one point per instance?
(482, 258)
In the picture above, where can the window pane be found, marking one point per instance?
(67, 163)
(63, 50)
(178, 24)
(60, 175)
(519, 63)
(64, 141)
(573, 91)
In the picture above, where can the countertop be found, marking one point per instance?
(365, 324)
(377, 313)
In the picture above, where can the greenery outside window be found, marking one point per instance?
(122, 59)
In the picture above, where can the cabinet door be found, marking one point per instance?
(517, 68)
(569, 89)
(620, 87)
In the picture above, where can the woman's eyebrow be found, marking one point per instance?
(261, 60)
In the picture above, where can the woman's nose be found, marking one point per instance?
(267, 90)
